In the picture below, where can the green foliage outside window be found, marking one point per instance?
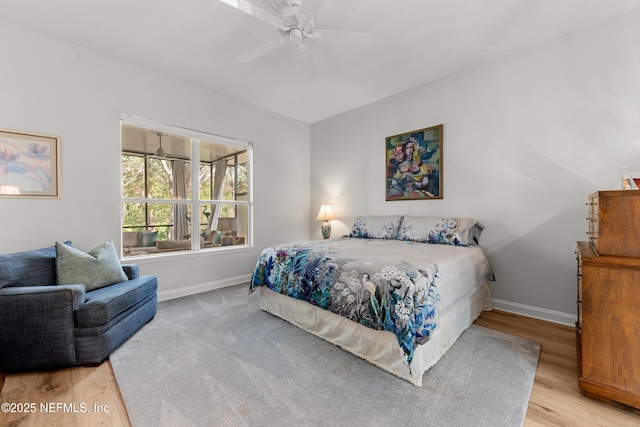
(159, 185)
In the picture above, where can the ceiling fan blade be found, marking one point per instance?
(261, 50)
(342, 38)
(308, 10)
(306, 61)
(255, 11)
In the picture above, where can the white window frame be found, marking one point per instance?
(196, 137)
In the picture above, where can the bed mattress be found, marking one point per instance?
(454, 279)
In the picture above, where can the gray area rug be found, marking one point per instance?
(216, 359)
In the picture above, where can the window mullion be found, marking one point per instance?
(195, 194)
(146, 192)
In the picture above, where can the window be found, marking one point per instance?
(178, 183)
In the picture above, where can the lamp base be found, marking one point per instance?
(326, 229)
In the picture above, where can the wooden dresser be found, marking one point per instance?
(608, 326)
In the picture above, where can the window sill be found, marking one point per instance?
(182, 254)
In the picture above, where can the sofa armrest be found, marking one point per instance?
(131, 270)
(38, 326)
(74, 294)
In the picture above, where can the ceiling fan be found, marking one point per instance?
(160, 151)
(294, 21)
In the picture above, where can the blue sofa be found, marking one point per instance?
(48, 326)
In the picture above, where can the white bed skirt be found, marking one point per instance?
(380, 348)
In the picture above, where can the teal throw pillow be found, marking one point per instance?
(216, 238)
(98, 268)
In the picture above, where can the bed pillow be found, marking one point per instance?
(95, 269)
(376, 227)
(444, 231)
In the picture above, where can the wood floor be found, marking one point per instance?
(92, 397)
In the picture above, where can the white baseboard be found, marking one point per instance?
(203, 287)
(535, 312)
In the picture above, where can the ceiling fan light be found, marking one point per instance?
(295, 35)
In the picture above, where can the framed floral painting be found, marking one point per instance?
(414, 165)
(29, 165)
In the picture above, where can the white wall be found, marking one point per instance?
(526, 139)
(55, 88)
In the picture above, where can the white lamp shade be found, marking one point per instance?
(227, 224)
(326, 213)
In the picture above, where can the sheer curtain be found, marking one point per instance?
(218, 181)
(181, 226)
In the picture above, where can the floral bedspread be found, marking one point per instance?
(360, 280)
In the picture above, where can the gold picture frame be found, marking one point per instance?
(414, 165)
(29, 164)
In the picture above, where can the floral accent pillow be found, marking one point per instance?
(376, 227)
(444, 231)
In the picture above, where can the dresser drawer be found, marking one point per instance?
(607, 329)
(614, 222)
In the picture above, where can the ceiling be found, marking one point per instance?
(141, 140)
(414, 42)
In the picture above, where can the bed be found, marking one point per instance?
(397, 291)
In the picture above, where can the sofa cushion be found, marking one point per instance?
(102, 305)
(93, 345)
(176, 245)
(147, 238)
(31, 268)
(129, 239)
(98, 268)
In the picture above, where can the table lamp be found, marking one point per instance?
(325, 215)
